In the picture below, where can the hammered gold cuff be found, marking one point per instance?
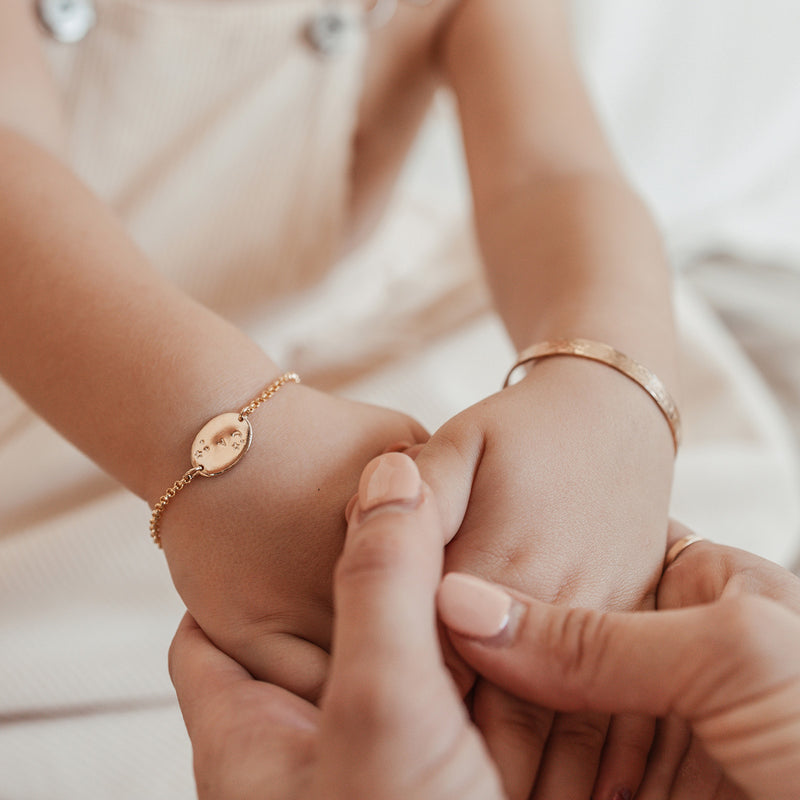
(218, 446)
(605, 354)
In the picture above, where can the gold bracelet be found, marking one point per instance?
(596, 351)
(218, 446)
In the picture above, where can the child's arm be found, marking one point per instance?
(128, 368)
(570, 249)
(558, 486)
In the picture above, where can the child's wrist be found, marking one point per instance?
(602, 397)
(218, 447)
(610, 358)
(190, 403)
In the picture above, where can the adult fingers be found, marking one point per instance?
(706, 571)
(673, 738)
(385, 633)
(560, 754)
(246, 735)
(681, 769)
(391, 716)
(699, 777)
(462, 674)
(625, 754)
(572, 756)
(648, 662)
(287, 660)
(515, 732)
(201, 672)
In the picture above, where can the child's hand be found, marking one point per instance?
(252, 551)
(558, 487)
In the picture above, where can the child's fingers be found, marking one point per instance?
(448, 463)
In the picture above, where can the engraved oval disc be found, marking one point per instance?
(222, 441)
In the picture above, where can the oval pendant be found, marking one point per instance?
(221, 442)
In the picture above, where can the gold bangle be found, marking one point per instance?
(218, 446)
(605, 354)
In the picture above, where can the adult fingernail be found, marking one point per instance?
(390, 478)
(622, 794)
(473, 607)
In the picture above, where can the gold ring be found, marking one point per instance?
(679, 547)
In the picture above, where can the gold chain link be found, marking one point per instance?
(158, 508)
(191, 474)
(289, 377)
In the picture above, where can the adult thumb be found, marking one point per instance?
(384, 586)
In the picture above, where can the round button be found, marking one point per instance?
(328, 32)
(67, 21)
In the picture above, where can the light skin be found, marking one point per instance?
(129, 368)
(720, 664)
(722, 659)
(391, 723)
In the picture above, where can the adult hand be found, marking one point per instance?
(391, 723)
(252, 551)
(730, 667)
(558, 487)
